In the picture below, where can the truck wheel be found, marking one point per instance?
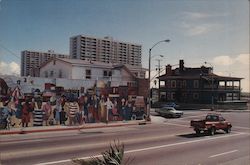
(133, 117)
(197, 132)
(144, 117)
(212, 131)
(228, 130)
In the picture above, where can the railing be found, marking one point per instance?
(229, 87)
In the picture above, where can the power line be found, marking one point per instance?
(8, 50)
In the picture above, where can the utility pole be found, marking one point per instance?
(159, 72)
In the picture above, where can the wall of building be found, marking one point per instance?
(57, 67)
(105, 50)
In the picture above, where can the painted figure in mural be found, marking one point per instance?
(73, 109)
(33, 105)
(123, 108)
(85, 109)
(48, 110)
(12, 108)
(38, 114)
(26, 109)
(57, 110)
(103, 109)
(96, 108)
(109, 105)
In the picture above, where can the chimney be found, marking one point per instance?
(181, 65)
(168, 70)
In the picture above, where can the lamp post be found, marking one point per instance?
(212, 101)
(149, 75)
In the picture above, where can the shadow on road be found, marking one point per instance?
(90, 132)
(194, 135)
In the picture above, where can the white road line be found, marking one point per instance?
(23, 141)
(224, 153)
(149, 148)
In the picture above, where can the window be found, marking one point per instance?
(107, 74)
(51, 73)
(196, 96)
(184, 83)
(196, 83)
(60, 74)
(173, 84)
(88, 74)
(46, 74)
(173, 96)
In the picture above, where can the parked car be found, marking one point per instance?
(210, 124)
(169, 112)
(171, 104)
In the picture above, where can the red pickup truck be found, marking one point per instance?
(211, 123)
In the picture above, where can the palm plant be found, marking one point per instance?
(113, 156)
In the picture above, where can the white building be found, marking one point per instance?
(105, 50)
(91, 71)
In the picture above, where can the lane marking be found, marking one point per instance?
(149, 148)
(26, 141)
(224, 153)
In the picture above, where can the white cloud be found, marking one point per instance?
(9, 68)
(194, 29)
(198, 23)
(201, 15)
(243, 59)
(235, 66)
(195, 15)
(223, 60)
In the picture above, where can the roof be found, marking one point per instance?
(196, 73)
(80, 62)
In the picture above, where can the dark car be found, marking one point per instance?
(170, 104)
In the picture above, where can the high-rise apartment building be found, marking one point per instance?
(105, 50)
(32, 60)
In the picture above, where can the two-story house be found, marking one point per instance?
(197, 85)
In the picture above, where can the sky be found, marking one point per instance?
(216, 31)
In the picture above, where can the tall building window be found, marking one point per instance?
(196, 83)
(88, 74)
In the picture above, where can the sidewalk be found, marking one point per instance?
(225, 110)
(64, 128)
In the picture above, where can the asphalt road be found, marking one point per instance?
(165, 141)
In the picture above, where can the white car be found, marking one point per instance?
(169, 112)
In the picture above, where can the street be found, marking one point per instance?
(165, 141)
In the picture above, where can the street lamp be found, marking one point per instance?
(212, 101)
(149, 74)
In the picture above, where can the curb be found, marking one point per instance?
(71, 128)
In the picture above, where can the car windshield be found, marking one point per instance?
(168, 109)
